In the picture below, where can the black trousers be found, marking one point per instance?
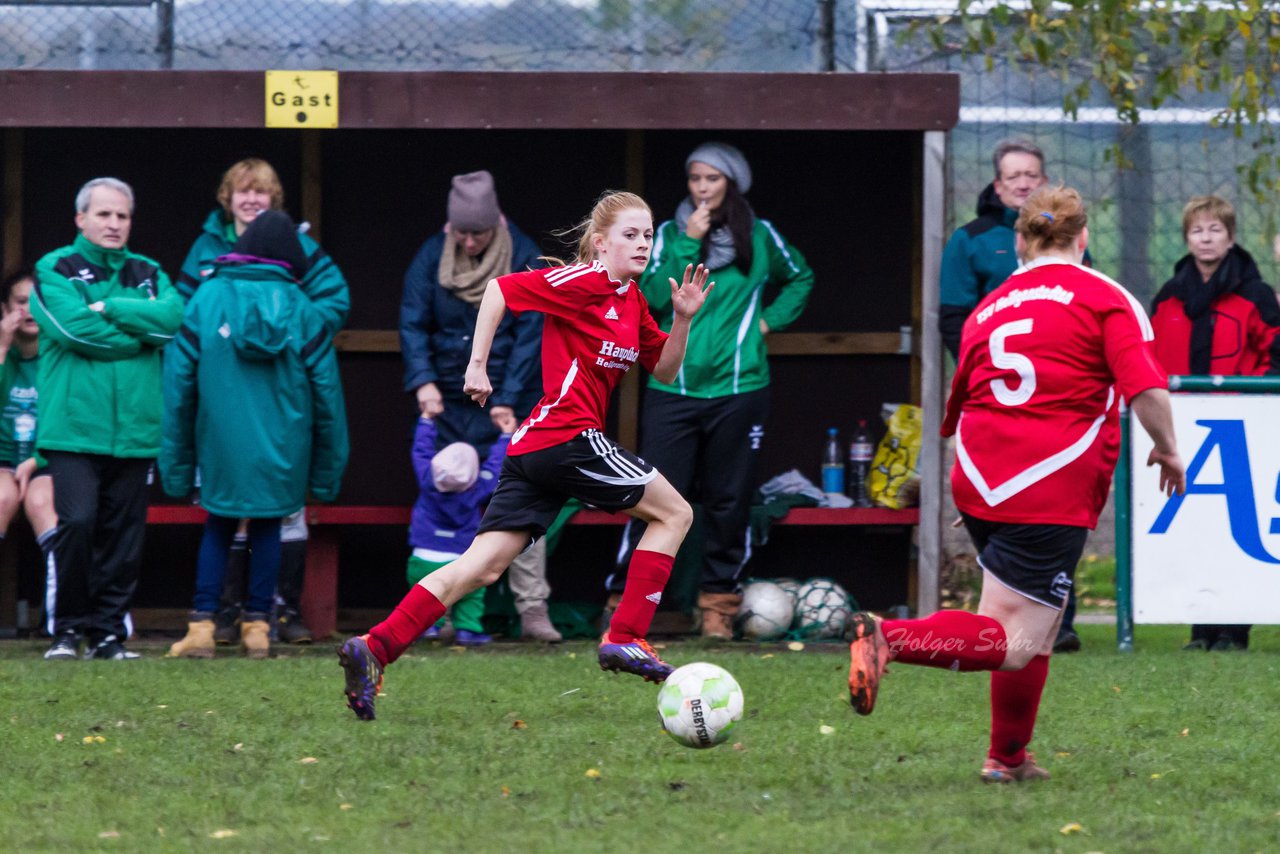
(101, 503)
(707, 449)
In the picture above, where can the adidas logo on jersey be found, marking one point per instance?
(611, 314)
(655, 598)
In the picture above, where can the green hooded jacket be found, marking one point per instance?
(726, 352)
(252, 397)
(99, 374)
(323, 284)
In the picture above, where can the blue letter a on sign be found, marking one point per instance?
(1236, 487)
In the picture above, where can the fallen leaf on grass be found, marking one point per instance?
(1186, 732)
(344, 807)
(224, 834)
(1062, 754)
(592, 774)
(1068, 829)
(308, 760)
(109, 834)
(739, 746)
(506, 792)
(57, 736)
(519, 724)
(826, 730)
(237, 745)
(795, 646)
(163, 706)
(1155, 776)
(1115, 688)
(573, 655)
(766, 655)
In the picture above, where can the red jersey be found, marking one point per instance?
(1034, 404)
(594, 329)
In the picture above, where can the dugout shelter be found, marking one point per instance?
(848, 166)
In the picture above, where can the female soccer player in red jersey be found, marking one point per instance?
(597, 326)
(1034, 408)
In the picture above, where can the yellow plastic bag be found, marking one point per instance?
(894, 481)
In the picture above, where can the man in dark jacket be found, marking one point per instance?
(104, 313)
(980, 255)
(442, 292)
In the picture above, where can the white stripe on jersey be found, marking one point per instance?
(546, 410)
(1139, 313)
(743, 328)
(1035, 473)
(561, 275)
(781, 244)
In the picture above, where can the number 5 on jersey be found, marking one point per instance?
(1008, 360)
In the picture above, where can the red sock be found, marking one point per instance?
(647, 574)
(418, 609)
(1015, 700)
(955, 640)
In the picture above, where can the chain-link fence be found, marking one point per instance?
(1135, 212)
(464, 35)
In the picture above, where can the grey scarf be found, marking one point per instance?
(720, 253)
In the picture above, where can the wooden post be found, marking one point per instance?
(12, 223)
(312, 199)
(629, 388)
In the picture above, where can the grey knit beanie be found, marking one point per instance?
(724, 158)
(473, 203)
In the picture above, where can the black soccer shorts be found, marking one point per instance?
(1036, 561)
(590, 467)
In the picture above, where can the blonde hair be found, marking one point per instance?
(1214, 207)
(603, 216)
(1051, 218)
(251, 174)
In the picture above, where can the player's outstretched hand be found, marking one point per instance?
(687, 296)
(476, 384)
(1173, 475)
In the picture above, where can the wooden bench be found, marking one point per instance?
(325, 521)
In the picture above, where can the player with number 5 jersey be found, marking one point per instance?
(1045, 360)
(597, 327)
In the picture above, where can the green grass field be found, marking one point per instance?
(490, 751)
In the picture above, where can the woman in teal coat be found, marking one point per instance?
(253, 399)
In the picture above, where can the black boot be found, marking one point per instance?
(289, 626)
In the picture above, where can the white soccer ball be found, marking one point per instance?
(822, 609)
(699, 704)
(790, 585)
(766, 611)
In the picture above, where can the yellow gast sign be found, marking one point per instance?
(302, 99)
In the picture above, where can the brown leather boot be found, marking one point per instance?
(199, 640)
(718, 611)
(535, 625)
(255, 635)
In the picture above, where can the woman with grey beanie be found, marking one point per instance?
(707, 426)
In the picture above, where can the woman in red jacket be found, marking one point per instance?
(1216, 316)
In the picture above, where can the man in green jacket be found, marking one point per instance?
(104, 314)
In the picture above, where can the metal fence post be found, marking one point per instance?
(1124, 540)
(164, 32)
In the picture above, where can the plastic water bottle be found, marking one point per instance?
(24, 433)
(832, 467)
(860, 454)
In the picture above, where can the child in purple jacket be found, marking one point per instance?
(452, 486)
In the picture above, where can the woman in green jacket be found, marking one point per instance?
(705, 429)
(253, 398)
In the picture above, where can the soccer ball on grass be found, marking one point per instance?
(822, 609)
(699, 704)
(766, 611)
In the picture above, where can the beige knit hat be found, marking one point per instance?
(473, 203)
